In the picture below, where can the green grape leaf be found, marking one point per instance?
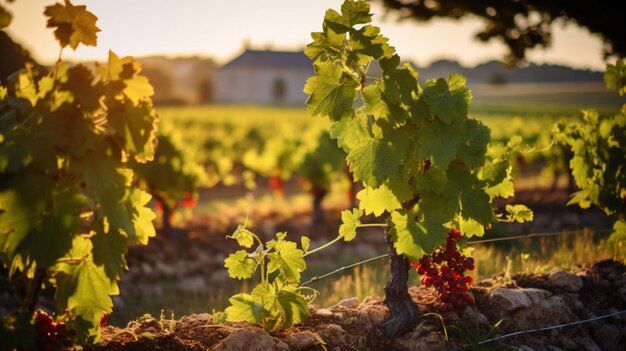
(367, 43)
(615, 77)
(265, 294)
(470, 227)
(293, 305)
(24, 84)
(519, 213)
(305, 242)
(324, 43)
(84, 289)
(244, 237)
(352, 13)
(375, 103)
(244, 308)
(287, 259)
(21, 206)
(504, 189)
(376, 201)
(440, 142)
(135, 128)
(580, 170)
(408, 235)
(475, 205)
(239, 265)
(474, 144)
(349, 131)
(109, 250)
(80, 84)
(73, 25)
(497, 174)
(332, 92)
(106, 184)
(141, 216)
(400, 84)
(448, 100)
(52, 237)
(350, 220)
(372, 161)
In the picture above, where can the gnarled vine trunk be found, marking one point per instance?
(403, 311)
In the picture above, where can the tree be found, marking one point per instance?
(525, 24)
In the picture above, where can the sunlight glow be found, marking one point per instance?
(218, 29)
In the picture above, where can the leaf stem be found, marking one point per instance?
(324, 246)
(366, 225)
(72, 259)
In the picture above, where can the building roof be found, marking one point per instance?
(271, 59)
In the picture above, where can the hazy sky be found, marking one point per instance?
(218, 29)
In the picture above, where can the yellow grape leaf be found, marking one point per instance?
(73, 24)
(126, 69)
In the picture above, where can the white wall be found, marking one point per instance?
(256, 86)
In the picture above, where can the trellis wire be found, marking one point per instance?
(552, 327)
(314, 279)
(534, 235)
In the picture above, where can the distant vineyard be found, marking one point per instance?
(238, 144)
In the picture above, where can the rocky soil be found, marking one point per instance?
(523, 302)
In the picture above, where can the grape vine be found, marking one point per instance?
(421, 159)
(68, 209)
(278, 301)
(172, 178)
(598, 144)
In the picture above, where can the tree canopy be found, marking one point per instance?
(524, 24)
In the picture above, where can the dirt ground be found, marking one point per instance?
(524, 302)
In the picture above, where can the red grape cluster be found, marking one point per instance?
(444, 270)
(52, 334)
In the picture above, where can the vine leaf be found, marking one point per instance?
(21, 206)
(440, 142)
(287, 259)
(408, 236)
(244, 237)
(352, 13)
(244, 308)
(332, 92)
(372, 161)
(239, 265)
(377, 201)
(73, 25)
(448, 100)
(519, 213)
(84, 289)
(109, 250)
(350, 220)
(52, 237)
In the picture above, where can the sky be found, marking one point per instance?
(219, 29)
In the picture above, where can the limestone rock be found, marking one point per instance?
(566, 280)
(350, 303)
(508, 300)
(301, 341)
(247, 339)
(537, 296)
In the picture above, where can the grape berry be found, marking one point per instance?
(52, 334)
(444, 270)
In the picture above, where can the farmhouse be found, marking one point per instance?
(263, 77)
